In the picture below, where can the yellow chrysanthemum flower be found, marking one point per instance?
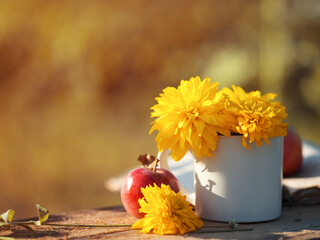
(256, 116)
(191, 115)
(167, 212)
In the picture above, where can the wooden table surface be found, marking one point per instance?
(296, 222)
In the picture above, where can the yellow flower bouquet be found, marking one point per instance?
(196, 113)
(236, 175)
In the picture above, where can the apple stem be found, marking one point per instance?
(155, 165)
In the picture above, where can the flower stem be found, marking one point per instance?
(7, 238)
(232, 224)
(225, 230)
(86, 225)
(72, 225)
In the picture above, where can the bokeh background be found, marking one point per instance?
(78, 78)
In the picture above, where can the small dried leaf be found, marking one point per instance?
(7, 216)
(43, 215)
(148, 161)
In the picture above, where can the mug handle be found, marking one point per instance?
(163, 163)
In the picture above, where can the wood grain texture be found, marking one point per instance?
(296, 222)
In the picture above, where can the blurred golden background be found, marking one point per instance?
(78, 78)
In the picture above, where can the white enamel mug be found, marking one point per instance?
(236, 183)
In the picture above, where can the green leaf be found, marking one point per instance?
(7, 216)
(43, 215)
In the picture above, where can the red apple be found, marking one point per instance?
(139, 178)
(292, 153)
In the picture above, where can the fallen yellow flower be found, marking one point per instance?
(167, 212)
